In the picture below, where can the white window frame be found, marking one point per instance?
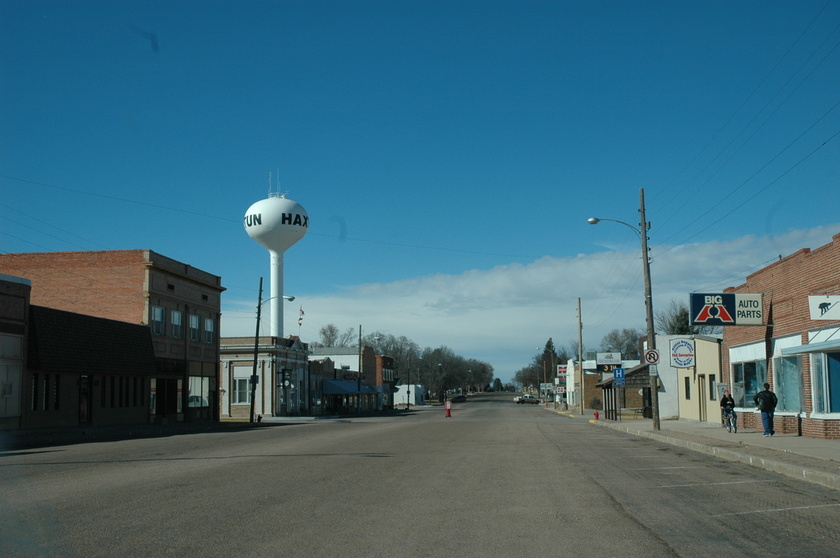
(177, 324)
(195, 327)
(158, 319)
(209, 330)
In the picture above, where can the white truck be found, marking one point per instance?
(527, 398)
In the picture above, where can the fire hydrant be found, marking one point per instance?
(596, 415)
(448, 406)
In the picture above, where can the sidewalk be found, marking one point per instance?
(811, 459)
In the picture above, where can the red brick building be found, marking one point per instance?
(179, 303)
(797, 351)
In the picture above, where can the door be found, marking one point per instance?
(85, 400)
(702, 397)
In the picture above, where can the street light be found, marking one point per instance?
(644, 226)
(254, 376)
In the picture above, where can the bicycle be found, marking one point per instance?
(730, 420)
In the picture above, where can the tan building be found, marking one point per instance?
(179, 303)
(283, 385)
(699, 386)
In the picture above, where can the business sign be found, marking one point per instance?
(608, 358)
(561, 370)
(682, 353)
(824, 307)
(727, 309)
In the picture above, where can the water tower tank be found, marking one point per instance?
(276, 223)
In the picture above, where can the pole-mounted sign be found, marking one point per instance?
(727, 309)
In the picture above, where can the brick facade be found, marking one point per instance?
(125, 285)
(786, 286)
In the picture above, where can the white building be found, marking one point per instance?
(413, 394)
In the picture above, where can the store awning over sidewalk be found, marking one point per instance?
(340, 387)
(344, 387)
(825, 347)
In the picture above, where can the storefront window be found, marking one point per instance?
(788, 385)
(747, 380)
(825, 370)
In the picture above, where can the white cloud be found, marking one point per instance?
(505, 314)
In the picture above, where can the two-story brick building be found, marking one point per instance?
(179, 303)
(797, 351)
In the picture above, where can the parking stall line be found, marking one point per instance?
(776, 510)
(711, 483)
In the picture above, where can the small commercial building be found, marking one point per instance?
(86, 371)
(353, 388)
(796, 349)
(283, 386)
(694, 361)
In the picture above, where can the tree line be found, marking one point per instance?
(439, 369)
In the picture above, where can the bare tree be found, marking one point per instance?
(331, 337)
(624, 341)
(676, 320)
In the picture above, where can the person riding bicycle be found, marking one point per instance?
(727, 406)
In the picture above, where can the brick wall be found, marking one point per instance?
(75, 281)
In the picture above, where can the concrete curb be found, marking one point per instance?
(822, 478)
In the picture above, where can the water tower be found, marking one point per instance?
(276, 223)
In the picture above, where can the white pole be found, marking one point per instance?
(276, 301)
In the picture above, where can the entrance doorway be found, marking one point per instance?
(85, 400)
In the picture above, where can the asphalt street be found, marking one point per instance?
(494, 479)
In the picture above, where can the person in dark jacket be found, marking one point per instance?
(727, 405)
(766, 401)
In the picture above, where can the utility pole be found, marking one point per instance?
(651, 333)
(254, 377)
(580, 355)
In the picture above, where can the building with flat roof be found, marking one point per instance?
(797, 349)
(180, 304)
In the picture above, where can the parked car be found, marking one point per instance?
(458, 398)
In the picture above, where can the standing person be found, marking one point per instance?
(766, 401)
(727, 405)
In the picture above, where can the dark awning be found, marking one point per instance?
(339, 387)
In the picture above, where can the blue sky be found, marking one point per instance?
(448, 153)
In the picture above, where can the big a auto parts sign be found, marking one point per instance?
(727, 309)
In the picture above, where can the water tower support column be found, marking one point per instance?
(276, 294)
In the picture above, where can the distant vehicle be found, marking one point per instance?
(527, 398)
(459, 399)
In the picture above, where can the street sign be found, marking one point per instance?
(618, 376)
(652, 356)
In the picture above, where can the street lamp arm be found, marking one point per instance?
(641, 231)
(596, 220)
